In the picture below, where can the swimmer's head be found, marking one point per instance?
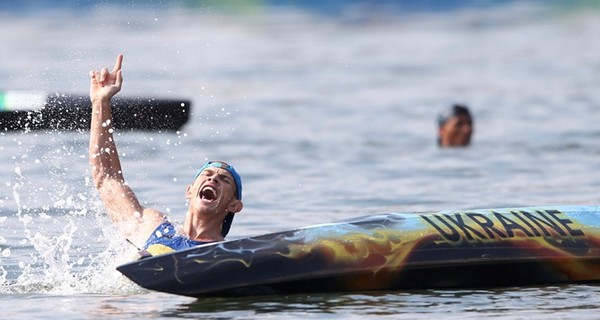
(225, 166)
(238, 189)
(455, 126)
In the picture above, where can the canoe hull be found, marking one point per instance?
(70, 112)
(452, 249)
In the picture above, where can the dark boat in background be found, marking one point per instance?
(25, 111)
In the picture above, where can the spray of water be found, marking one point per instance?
(66, 246)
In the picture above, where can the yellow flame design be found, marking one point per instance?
(382, 249)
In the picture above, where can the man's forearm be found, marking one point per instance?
(103, 155)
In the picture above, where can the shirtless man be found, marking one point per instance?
(214, 196)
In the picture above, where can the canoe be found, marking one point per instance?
(29, 110)
(397, 251)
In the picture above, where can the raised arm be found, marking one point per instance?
(135, 222)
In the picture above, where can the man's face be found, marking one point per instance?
(213, 189)
(456, 131)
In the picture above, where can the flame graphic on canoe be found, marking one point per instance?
(448, 249)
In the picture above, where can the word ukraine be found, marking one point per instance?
(473, 226)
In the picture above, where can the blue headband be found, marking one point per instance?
(236, 177)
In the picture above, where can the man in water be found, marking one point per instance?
(214, 196)
(455, 127)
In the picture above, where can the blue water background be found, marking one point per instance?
(327, 109)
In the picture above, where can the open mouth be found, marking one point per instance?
(208, 193)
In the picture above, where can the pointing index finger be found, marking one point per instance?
(118, 63)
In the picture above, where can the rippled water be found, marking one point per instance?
(328, 113)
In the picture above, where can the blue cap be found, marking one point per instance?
(223, 165)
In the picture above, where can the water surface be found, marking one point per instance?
(328, 113)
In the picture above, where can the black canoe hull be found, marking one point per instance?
(453, 249)
(71, 112)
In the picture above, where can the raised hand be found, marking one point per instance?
(103, 84)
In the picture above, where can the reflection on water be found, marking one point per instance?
(556, 300)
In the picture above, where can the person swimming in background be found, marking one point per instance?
(214, 196)
(455, 126)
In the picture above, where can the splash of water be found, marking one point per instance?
(57, 262)
(66, 247)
